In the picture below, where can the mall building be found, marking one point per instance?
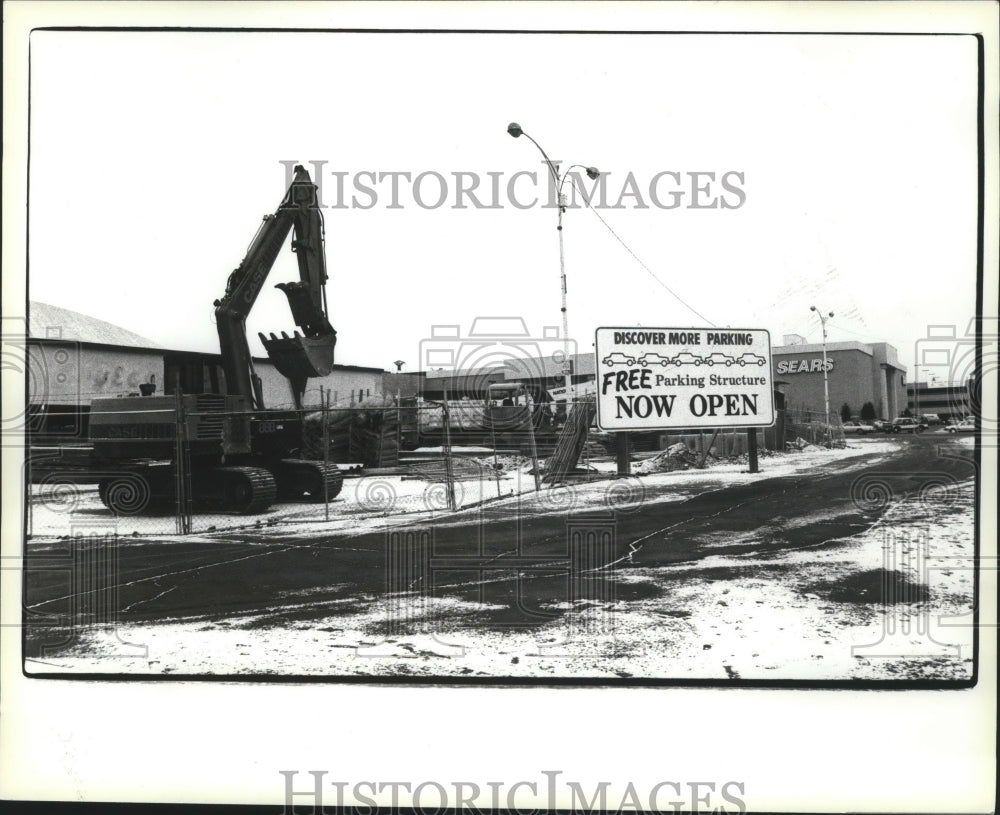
(858, 373)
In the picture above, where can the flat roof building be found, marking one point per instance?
(948, 402)
(70, 359)
(857, 373)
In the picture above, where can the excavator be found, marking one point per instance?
(228, 451)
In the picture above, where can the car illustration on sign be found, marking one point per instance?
(686, 358)
(618, 358)
(653, 358)
(718, 358)
(749, 358)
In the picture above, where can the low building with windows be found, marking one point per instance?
(948, 402)
(70, 359)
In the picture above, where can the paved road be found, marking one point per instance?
(515, 564)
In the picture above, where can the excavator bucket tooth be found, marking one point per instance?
(301, 357)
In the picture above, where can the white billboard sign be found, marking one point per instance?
(669, 378)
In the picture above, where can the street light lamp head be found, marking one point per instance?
(812, 308)
(593, 173)
(514, 129)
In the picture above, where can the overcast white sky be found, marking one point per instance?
(154, 156)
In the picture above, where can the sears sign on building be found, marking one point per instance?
(668, 378)
(803, 366)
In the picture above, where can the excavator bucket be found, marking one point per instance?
(299, 358)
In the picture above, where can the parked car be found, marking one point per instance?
(964, 426)
(618, 358)
(881, 425)
(860, 428)
(653, 358)
(905, 425)
(750, 358)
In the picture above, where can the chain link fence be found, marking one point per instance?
(196, 468)
(811, 427)
(68, 485)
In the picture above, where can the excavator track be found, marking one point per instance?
(299, 479)
(247, 490)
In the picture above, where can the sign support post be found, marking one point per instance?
(622, 451)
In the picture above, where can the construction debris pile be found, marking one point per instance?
(368, 435)
(675, 457)
(506, 463)
(744, 458)
(462, 469)
(373, 438)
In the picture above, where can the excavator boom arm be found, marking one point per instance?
(298, 357)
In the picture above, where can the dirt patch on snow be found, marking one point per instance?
(872, 586)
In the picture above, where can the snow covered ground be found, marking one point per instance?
(806, 614)
(371, 503)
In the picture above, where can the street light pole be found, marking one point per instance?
(567, 365)
(515, 130)
(826, 376)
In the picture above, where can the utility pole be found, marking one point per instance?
(826, 375)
